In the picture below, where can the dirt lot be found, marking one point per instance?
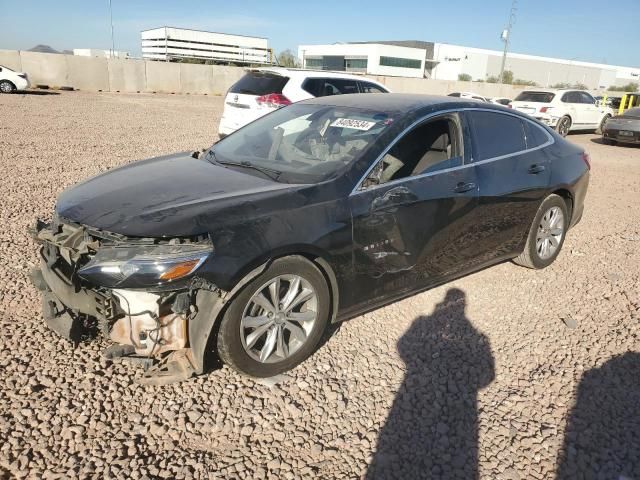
(510, 373)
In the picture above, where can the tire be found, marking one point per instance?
(534, 255)
(7, 87)
(608, 141)
(283, 345)
(600, 129)
(563, 126)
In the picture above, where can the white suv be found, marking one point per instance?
(563, 110)
(263, 90)
(11, 81)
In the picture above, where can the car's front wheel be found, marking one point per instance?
(7, 87)
(563, 126)
(277, 320)
(546, 235)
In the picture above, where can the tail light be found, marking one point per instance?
(586, 158)
(273, 100)
(509, 105)
(544, 109)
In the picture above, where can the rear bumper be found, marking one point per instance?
(579, 194)
(22, 83)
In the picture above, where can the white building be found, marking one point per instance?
(442, 61)
(371, 58)
(168, 43)
(95, 52)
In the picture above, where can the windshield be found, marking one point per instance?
(632, 112)
(302, 143)
(539, 97)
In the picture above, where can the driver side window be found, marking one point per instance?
(429, 147)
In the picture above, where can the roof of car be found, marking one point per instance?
(304, 73)
(400, 102)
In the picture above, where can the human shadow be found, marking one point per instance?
(432, 428)
(602, 436)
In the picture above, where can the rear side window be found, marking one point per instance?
(324, 87)
(454, 94)
(571, 97)
(367, 87)
(259, 83)
(496, 134)
(535, 136)
(539, 97)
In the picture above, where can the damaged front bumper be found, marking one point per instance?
(150, 324)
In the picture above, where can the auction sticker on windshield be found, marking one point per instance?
(352, 123)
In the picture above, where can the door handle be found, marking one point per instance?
(464, 187)
(535, 169)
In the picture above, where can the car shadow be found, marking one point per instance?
(624, 145)
(432, 427)
(602, 436)
(36, 92)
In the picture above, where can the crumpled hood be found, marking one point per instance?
(170, 196)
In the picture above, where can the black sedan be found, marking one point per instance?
(313, 214)
(623, 128)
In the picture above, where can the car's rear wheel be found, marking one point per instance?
(277, 321)
(7, 87)
(546, 235)
(603, 123)
(563, 126)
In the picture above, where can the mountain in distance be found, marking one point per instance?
(43, 49)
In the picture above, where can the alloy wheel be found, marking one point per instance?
(279, 318)
(550, 232)
(563, 128)
(6, 87)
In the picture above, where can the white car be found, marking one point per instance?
(263, 90)
(471, 95)
(563, 110)
(11, 81)
(501, 101)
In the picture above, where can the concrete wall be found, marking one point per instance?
(129, 75)
(87, 73)
(164, 77)
(45, 68)
(11, 59)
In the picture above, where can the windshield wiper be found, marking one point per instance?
(269, 172)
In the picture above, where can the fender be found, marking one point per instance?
(209, 304)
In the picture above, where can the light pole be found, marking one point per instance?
(113, 45)
(506, 36)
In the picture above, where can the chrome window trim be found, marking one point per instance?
(357, 189)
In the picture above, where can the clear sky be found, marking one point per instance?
(573, 29)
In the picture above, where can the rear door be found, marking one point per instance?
(576, 110)
(513, 172)
(325, 87)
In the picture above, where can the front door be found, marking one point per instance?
(413, 214)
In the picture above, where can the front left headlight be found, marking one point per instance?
(142, 266)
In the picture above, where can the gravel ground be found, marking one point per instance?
(508, 373)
